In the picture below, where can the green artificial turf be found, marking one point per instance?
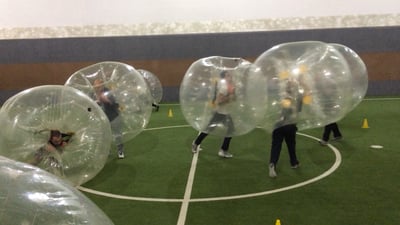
(364, 189)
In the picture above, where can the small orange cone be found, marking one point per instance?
(170, 113)
(365, 124)
(278, 222)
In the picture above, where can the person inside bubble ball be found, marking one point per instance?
(285, 128)
(330, 93)
(55, 145)
(155, 106)
(112, 109)
(224, 94)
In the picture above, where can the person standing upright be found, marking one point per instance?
(111, 108)
(285, 128)
(224, 94)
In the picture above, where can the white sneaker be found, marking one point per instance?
(323, 143)
(338, 138)
(272, 172)
(195, 148)
(121, 155)
(224, 154)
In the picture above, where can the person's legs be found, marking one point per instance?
(223, 152)
(336, 132)
(225, 143)
(196, 143)
(200, 138)
(290, 140)
(211, 126)
(325, 135)
(327, 132)
(155, 106)
(116, 127)
(276, 145)
(229, 125)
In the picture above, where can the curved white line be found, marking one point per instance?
(124, 197)
(323, 175)
(169, 127)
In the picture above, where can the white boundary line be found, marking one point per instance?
(380, 99)
(323, 175)
(169, 127)
(189, 185)
(191, 178)
(188, 190)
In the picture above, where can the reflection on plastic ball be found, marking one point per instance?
(223, 96)
(154, 84)
(50, 127)
(359, 74)
(121, 91)
(314, 76)
(29, 195)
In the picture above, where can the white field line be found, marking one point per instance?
(336, 164)
(188, 190)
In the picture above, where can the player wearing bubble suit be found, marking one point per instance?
(329, 107)
(111, 109)
(54, 147)
(224, 94)
(285, 127)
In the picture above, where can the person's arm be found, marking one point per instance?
(66, 137)
(50, 148)
(226, 94)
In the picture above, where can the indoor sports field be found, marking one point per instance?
(160, 181)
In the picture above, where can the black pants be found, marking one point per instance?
(287, 133)
(218, 118)
(225, 143)
(333, 127)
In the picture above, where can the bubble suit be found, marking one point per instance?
(359, 73)
(28, 117)
(122, 85)
(154, 84)
(308, 84)
(30, 195)
(223, 96)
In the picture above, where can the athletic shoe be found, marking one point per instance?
(322, 142)
(121, 154)
(272, 172)
(338, 138)
(224, 154)
(195, 148)
(295, 166)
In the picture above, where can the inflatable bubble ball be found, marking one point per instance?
(359, 73)
(122, 93)
(223, 96)
(154, 84)
(58, 129)
(30, 195)
(308, 83)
